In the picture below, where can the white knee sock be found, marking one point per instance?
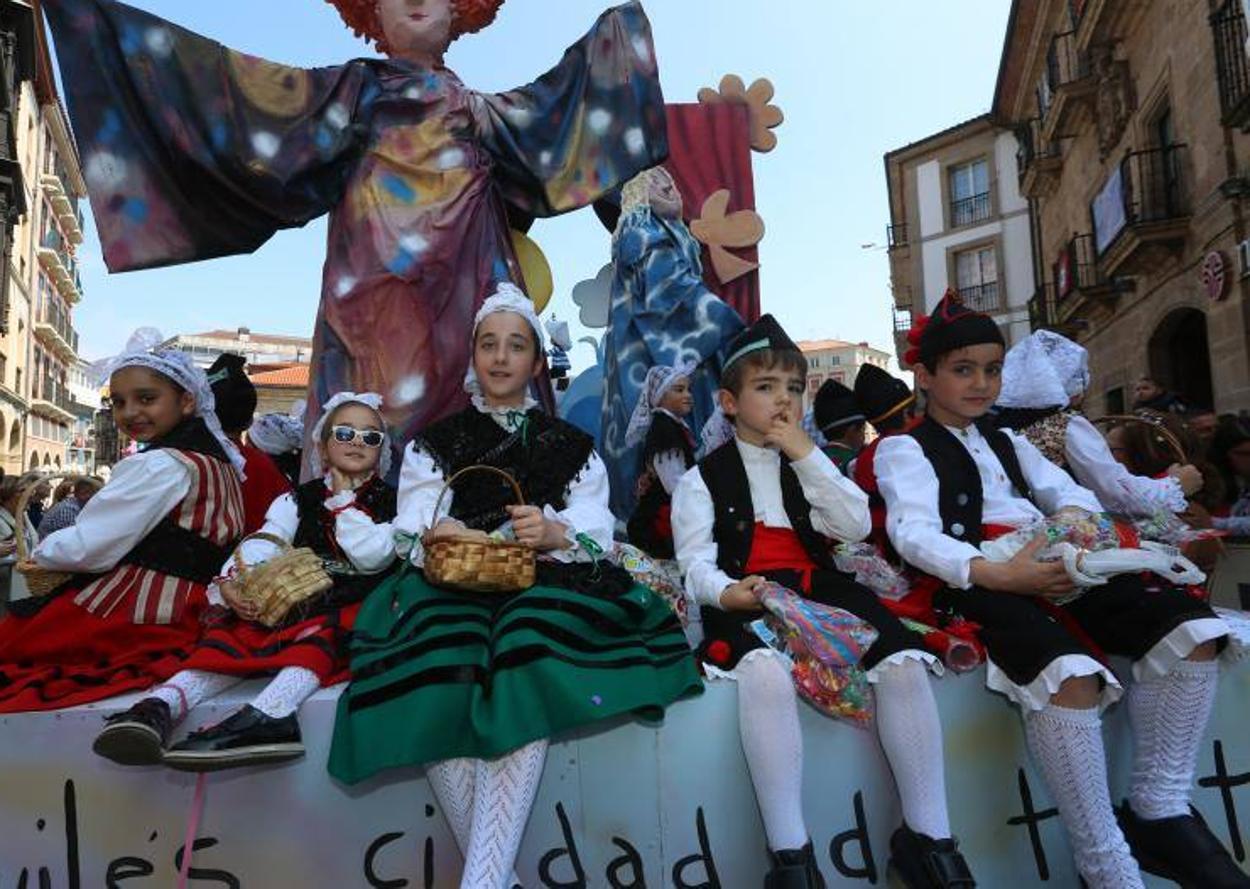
(452, 783)
(290, 688)
(768, 722)
(1169, 717)
(911, 735)
(188, 688)
(503, 794)
(1067, 745)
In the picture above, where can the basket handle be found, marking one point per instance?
(283, 545)
(1165, 434)
(20, 521)
(516, 489)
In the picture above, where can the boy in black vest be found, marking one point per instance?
(769, 505)
(840, 421)
(954, 479)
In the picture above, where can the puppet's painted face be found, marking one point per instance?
(678, 399)
(419, 30)
(665, 198)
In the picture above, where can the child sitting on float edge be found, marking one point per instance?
(768, 505)
(955, 479)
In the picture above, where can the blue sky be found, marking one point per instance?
(854, 82)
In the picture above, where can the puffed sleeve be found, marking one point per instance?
(143, 489)
(839, 507)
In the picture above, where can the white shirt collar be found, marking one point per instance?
(507, 417)
(756, 454)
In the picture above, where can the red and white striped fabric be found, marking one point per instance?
(213, 508)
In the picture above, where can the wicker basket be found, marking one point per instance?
(276, 586)
(40, 581)
(476, 565)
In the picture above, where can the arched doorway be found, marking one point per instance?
(15, 438)
(1180, 357)
(34, 460)
(47, 459)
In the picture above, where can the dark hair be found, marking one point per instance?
(763, 359)
(1230, 432)
(83, 485)
(1148, 453)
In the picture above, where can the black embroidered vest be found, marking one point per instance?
(545, 456)
(734, 528)
(960, 495)
(316, 523)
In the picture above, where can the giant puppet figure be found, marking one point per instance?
(192, 150)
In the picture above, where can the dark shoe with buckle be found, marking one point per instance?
(1181, 849)
(922, 862)
(245, 738)
(138, 736)
(794, 869)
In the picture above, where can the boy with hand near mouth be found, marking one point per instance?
(766, 506)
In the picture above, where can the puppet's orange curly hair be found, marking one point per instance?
(467, 17)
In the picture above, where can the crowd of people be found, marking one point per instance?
(472, 686)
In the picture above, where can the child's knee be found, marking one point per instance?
(1078, 693)
(767, 673)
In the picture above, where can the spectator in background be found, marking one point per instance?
(34, 509)
(64, 513)
(1230, 454)
(1151, 396)
(1202, 423)
(12, 584)
(235, 396)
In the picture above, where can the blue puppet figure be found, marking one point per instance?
(662, 314)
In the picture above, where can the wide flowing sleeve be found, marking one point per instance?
(192, 150)
(588, 125)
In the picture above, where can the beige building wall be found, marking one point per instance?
(1137, 71)
(838, 360)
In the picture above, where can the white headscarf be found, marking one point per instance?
(277, 434)
(718, 430)
(506, 298)
(178, 367)
(659, 380)
(371, 400)
(1044, 370)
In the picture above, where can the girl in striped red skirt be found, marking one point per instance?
(142, 551)
(343, 515)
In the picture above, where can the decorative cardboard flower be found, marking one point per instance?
(720, 229)
(764, 116)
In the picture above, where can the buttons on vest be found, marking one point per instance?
(962, 499)
(957, 530)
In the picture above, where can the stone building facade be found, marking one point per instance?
(1131, 118)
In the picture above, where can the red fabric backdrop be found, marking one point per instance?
(710, 149)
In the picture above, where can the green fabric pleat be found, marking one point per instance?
(438, 674)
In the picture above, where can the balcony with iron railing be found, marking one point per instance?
(51, 399)
(983, 297)
(1039, 161)
(1045, 313)
(1154, 212)
(1070, 88)
(54, 330)
(902, 326)
(57, 261)
(64, 205)
(1228, 25)
(971, 210)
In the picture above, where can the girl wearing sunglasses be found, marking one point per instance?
(344, 515)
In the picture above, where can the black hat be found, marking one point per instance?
(233, 391)
(834, 407)
(951, 326)
(765, 333)
(880, 396)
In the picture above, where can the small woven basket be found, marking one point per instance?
(475, 565)
(41, 581)
(280, 584)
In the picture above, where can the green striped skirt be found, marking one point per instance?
(439, 674)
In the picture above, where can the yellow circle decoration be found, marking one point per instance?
(536, 270)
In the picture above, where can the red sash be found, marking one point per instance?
(779, 549)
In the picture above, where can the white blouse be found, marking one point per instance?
(909, 484)
(143, 489)
(585, 505)
(1116, 488)
(839, 511)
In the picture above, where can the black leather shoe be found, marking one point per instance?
(1181, 849)
(922, 862)
(245, 738)
(138, 736)
(794, 869)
